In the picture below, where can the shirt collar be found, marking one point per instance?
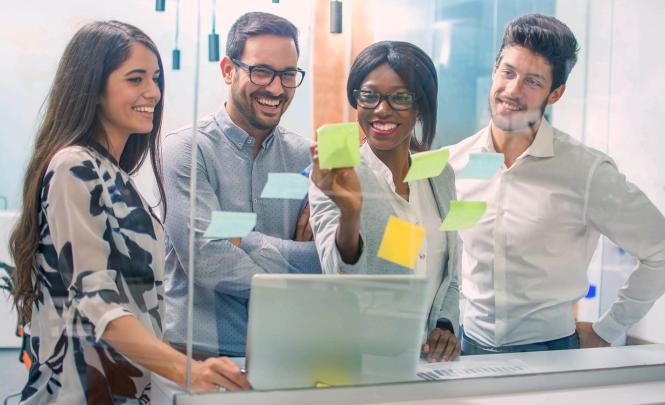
(542, 145)
(376, 165)
(237, 135)
(102, 151)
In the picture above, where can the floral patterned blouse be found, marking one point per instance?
(100, 257)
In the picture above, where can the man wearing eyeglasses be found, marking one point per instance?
(237, 147)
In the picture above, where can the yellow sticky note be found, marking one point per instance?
(401, 242)
(463, 215)
(427, 164)
(338, 145)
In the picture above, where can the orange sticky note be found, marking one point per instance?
(401, 242)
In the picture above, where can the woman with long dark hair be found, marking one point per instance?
(393, 85)
(89, 251)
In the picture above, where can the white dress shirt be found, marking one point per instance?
(524, 265)
(421, 210)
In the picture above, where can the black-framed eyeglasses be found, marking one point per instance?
(398, 101)
(263, 76)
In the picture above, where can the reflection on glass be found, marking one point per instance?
(309, 331)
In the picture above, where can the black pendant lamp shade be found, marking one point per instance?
(335, 16)
(213, 47)
(175, 56)
(176, 59)
(213, 38)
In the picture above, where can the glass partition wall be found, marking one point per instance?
(216, 177)
(462, 38)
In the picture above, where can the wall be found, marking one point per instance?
(33, 36)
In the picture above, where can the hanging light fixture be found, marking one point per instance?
(160, 5)
(175, 62)
(335, 16)
(213, 38)
(275, 1)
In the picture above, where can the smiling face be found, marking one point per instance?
(521, 85)
(253, 107)
(130, 95)
(386, 129)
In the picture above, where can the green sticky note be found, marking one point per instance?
(427, 164)
(463, 215)
(338, 145)
(227, 224)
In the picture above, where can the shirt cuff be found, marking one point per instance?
(608, 328)
(359, 267)
(252, 242)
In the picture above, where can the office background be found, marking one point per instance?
(614, 99)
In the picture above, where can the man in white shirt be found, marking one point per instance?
(524, 265)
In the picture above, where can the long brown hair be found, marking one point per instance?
(95, 51)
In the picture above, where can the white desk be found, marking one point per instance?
(618, 375)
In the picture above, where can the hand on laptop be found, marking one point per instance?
(218, 372)
(442, 345)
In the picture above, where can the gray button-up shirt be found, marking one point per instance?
(229, 178)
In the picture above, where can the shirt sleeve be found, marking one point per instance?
(218, 263)
(450, 305)
(324, 219)
(621, 211)
(80, 232)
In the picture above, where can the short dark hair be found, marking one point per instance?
(547, 37)
(414, 67)
(257, 23)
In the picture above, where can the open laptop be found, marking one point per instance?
(330, 330)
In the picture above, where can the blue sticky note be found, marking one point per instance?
(482, 166)
(591, 292)
(290, 186)
(226, 224)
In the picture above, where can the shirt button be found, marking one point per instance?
(256, 200)
(422, 257)
(240, 144)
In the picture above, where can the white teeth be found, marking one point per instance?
(268, 101)
(511, 106)
(145, 109)
(384, 127)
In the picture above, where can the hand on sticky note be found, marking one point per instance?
(226, 224)
(286, 186)
(482, 166)
(463, 215)
(427, 164)
(340, 185)
(339, 145)
(401, 242)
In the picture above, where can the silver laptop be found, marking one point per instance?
(330, 330)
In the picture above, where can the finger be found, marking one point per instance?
(449, 351)
(300, 226)
(314, 152)
(443, 344)
(439, 349)
(308, 234)
(425, 349)
(228, 374)
(458, 349)
(432, 342)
